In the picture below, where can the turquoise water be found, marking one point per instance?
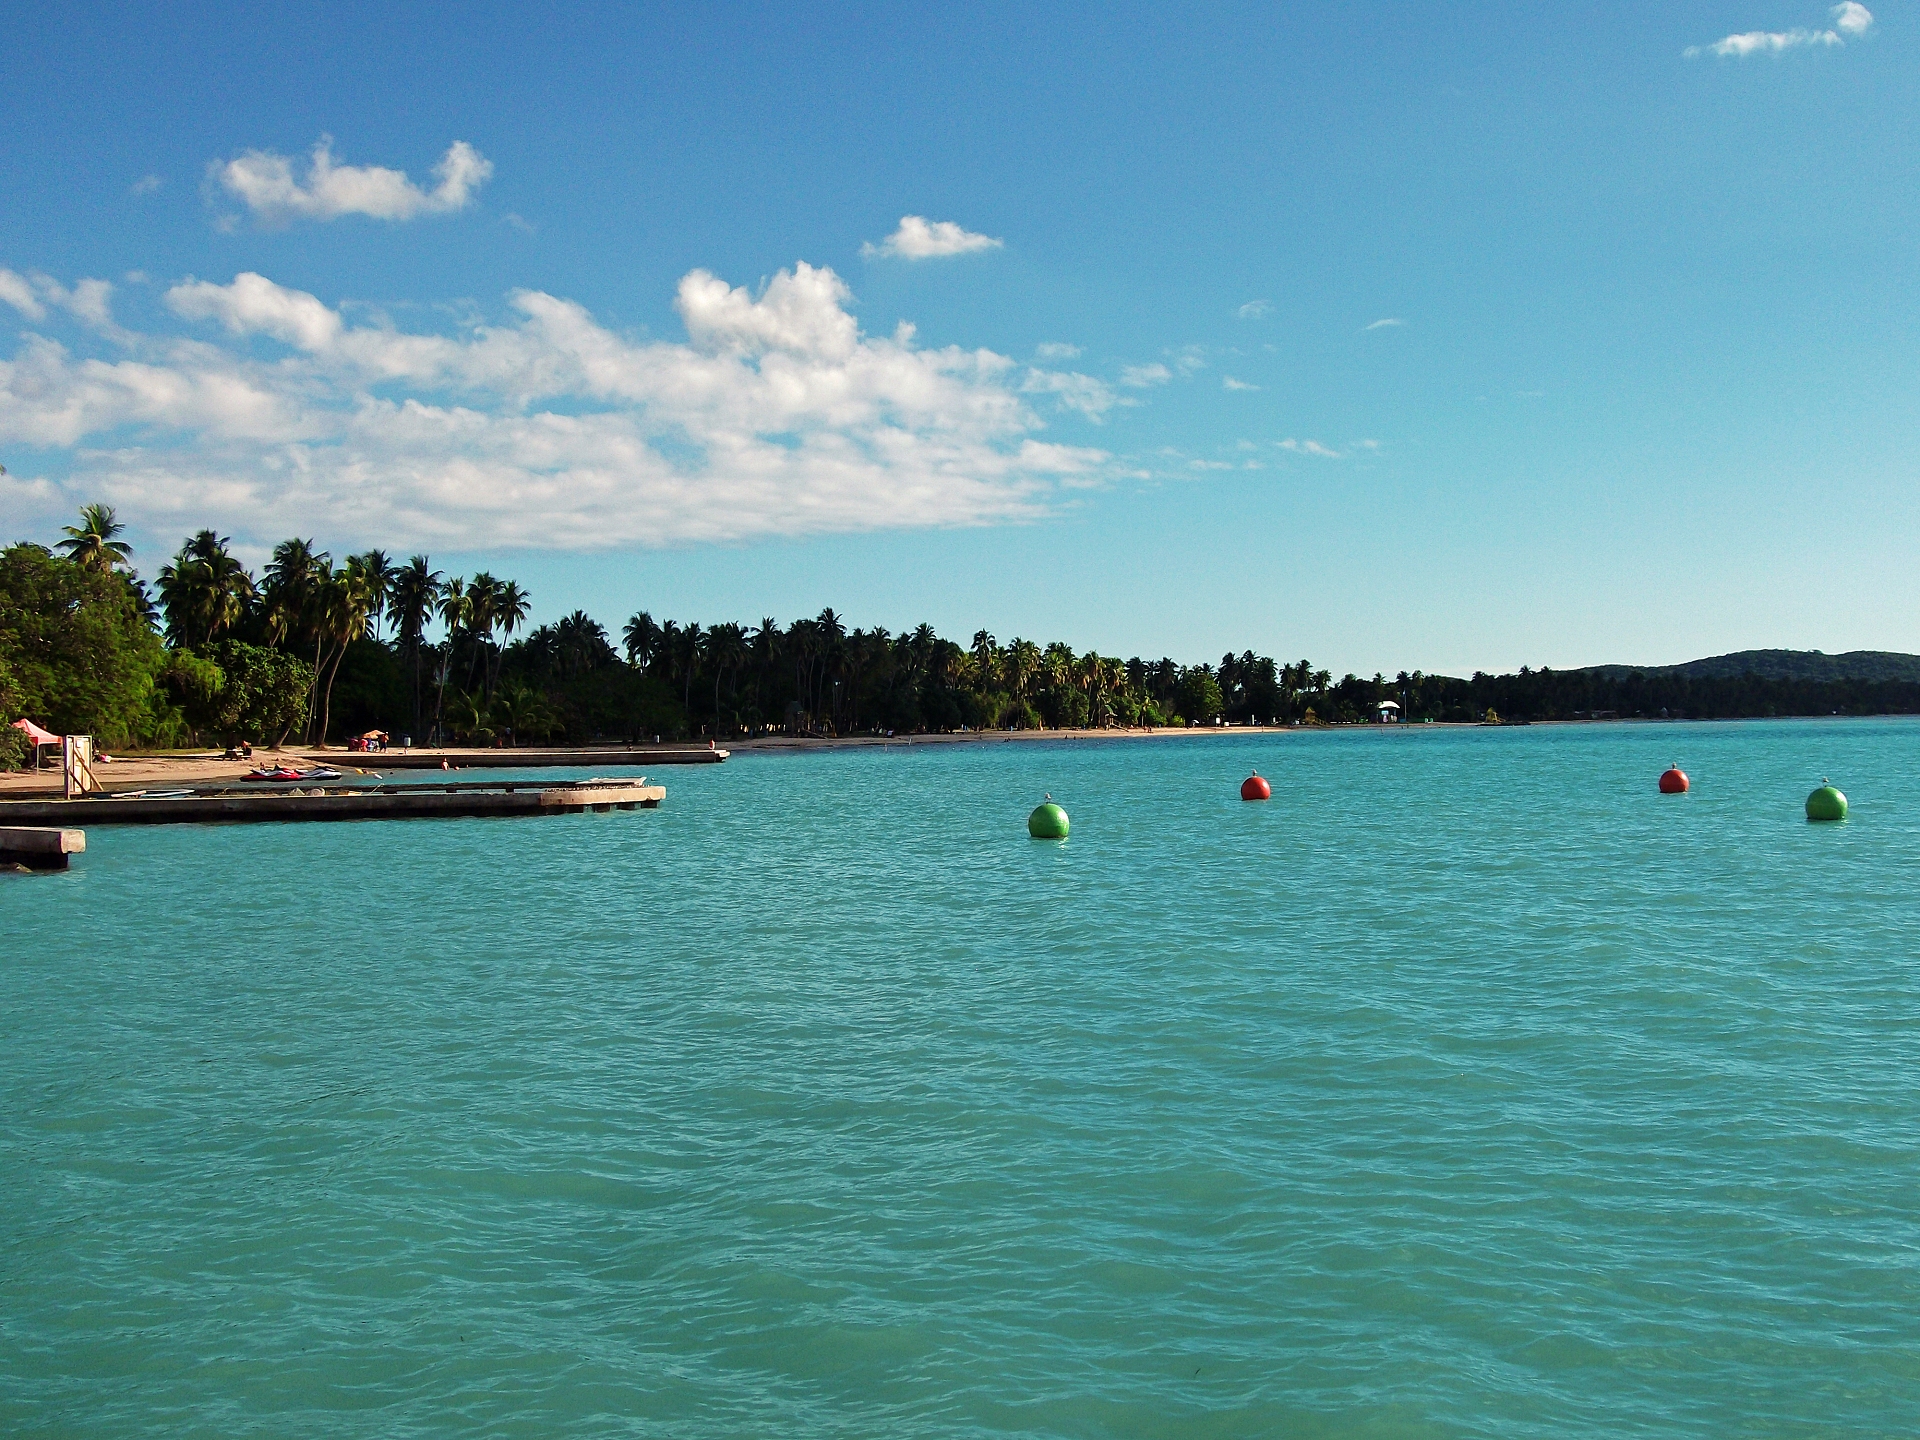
(1469, 1088)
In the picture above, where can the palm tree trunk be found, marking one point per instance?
(440, 697)
(326, 706)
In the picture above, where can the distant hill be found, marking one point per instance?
(1782, 665)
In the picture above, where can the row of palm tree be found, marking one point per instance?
(304, 603)
(814, 674)
(836, 679)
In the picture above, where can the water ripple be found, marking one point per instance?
(1469, 1088)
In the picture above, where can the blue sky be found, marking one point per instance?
(1386, 335)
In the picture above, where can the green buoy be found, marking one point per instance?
(1048, 821)
(1826, 803)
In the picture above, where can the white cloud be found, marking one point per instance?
(1852, 18)
(1382, 325)
(776, 416)
(266, 184)
(16, 291)
(253, 304)
(1187, 359)
(1083, 393)
(922, 239)
(89, 301)
(1139, 377)
(1227, 382)
(145, 185)
(1850, 21)
(1056, 350)
(1254, 309)
(1308, 447)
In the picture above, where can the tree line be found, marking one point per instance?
(318, 649)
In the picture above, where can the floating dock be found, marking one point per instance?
(517, 759)
(226, 804)
(39, 848)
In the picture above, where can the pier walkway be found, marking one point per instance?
(333, 801)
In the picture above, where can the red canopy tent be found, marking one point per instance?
(36, 734)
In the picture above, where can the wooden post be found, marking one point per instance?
(78, 765)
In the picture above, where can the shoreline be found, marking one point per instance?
(136, 770)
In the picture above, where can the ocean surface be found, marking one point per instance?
(1467, 1088)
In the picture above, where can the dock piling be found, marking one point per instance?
(37, 847)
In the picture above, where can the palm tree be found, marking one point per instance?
(766, 653)
(92, 543)
(1119, 682)
(471, 716)
(378, 572)
(726, 649)
(483, 598)
(523, 711)
(411, 598)
(455, 609)
(295, 584)
(204, 590)
(344, 609)
(689, 657)
(642, 639)
(803, 644)
(510, 607)
(290, 586)
(986, 656)
(1022, 665)
(581, 643)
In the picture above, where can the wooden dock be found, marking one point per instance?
(39, 848)
(227, 804)
(519, 759)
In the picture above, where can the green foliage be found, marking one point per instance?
(262, 695)
(1200, 698)
(617, 702)
(14, 745)
(194, 683)
(82, 656)
(373, 691)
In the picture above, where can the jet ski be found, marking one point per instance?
(287, 775)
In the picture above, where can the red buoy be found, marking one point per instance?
(1673, 781)
(1254, 788)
